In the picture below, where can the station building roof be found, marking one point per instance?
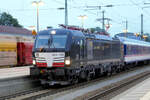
(14, 30)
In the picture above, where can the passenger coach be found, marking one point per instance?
(135, 50)
(15, 46)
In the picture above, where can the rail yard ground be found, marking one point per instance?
(80, 91)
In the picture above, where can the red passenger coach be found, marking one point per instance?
(24, 53)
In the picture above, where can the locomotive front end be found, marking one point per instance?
(51, 56)
(49, 49)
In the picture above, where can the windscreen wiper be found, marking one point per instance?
(51, 41)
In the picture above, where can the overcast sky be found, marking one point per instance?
(49, 15)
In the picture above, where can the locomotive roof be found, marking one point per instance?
(98, 36)
(125, 40)
(58, 31)
(62, 32)
(76, 33)
(14, 30)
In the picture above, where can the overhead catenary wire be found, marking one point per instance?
(81, 6)
(59, 2)
(146, 12)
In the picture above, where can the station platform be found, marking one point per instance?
(140, 91)
(14, 72)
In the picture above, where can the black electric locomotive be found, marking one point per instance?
(63, 56)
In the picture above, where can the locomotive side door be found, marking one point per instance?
(89, 49)
(82, 46)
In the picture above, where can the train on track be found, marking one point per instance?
(15, 46)
(64, 56)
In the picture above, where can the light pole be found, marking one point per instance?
(142, 30)
(37, 4)
(66, 13)
(126, 27)
(82, 17)
(142, 24)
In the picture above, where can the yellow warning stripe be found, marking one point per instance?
(6, 44)
(8, 50)
(8, 47)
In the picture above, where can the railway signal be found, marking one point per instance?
(34, 32)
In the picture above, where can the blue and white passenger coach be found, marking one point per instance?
(135, 50)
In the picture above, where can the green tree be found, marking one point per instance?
(96, 29)
(8, 20)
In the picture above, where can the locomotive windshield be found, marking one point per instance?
(53, 41)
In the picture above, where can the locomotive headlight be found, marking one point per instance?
(67, 61)
(34, 62)
(53, 32)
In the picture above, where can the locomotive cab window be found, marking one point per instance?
(53, 41)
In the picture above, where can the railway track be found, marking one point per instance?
(40, 92)
(21, 93)
(103, 93)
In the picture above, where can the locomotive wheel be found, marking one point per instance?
(45, 86)
(118, 70)
(83, 75)
(88, 78)
(73, 79)
(109, 73)
(76, 80)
